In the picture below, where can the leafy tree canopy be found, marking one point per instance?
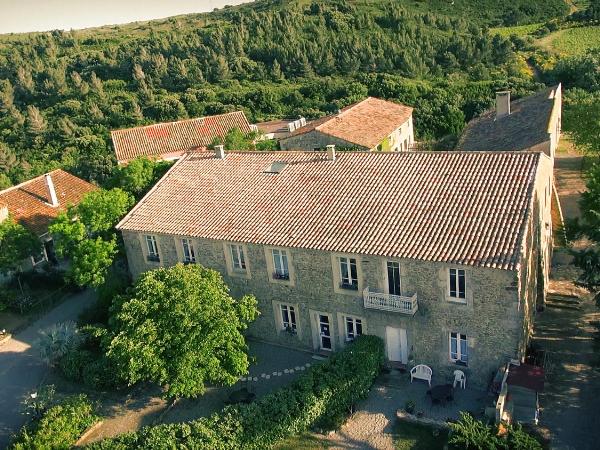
(16, 244)
(85, 234)
(181, 328)
(139, 175)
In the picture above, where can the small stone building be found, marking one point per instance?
(441, 254)
(372, 124)
(171, 140)
(530, 123)
(36, 202)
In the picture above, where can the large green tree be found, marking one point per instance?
(16, 244)
(181, 328)
(85, 234)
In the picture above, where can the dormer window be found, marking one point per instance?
(276, 167)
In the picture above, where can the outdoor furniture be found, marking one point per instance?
(421, 372)
(460, 378)
(240, 396)
(442, 393)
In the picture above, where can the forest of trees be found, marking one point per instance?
(62, 92)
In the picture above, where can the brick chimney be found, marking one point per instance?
(331, 152)
(220, 151)
(52, 198)
(502, 104)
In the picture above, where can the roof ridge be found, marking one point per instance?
(23, 183)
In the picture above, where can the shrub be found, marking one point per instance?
(320, 398)
(73, 362)
(59, 427)
(57, 341)
(469, 433)
(101, 374)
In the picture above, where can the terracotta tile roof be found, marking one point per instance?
(364, 123)
(175, 138)
(28, 202)
(461, 207)
(525, 127)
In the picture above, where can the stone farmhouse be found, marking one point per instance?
(372, 124)
(444, 255)
(169, 141)
(36, 202)
(528, 124)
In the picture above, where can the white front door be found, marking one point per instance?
(395, 343)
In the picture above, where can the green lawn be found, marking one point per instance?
(519, 30)
(303, 442)
(417, 437)
(572, 41)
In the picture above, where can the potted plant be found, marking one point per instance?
(409, 406)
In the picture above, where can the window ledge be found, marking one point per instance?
(457, 301)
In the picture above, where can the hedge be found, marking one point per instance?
(59, 427)
(320, 399)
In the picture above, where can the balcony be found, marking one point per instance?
(388, 302)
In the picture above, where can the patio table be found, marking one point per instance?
(441, 393)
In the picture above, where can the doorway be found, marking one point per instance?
(396, 344)
(324, 333)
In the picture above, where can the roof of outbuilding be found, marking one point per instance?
(460, 207)
(525, 126)
(172, 137)
(365, 123)
(28, 202)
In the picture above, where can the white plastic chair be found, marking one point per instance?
(460, 378)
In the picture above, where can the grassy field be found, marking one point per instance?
(572, 41)
(519, 30)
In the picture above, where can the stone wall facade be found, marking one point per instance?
(492, 316)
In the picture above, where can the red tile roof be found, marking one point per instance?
(461, 207)
(365, 123)
(28, 202)
(175, 138)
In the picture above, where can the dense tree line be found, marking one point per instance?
(61, 92)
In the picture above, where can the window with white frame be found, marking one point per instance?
(238, 260)
(348, 273)
(152, 249)
(280, 264)
(288, 318)
(189, 254)
(353, 327)
(457, 284)
(458, 348)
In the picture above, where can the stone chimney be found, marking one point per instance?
(220, 151)
(52, 198)
(502, 104)
(331, 152)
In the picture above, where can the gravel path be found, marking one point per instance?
(21, 370)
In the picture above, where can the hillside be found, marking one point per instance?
(62, 92)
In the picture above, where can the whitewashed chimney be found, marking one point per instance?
(502, 104)
(331, 152)
(52, 198)
(220, 151)
(3, 212)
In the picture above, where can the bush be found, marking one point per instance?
(60, 426)
(116, 283)
(469, 433)
(101, 374)
(73, 362)
(57, 341)
(321, 398)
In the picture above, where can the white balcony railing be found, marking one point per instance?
(388, 302)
